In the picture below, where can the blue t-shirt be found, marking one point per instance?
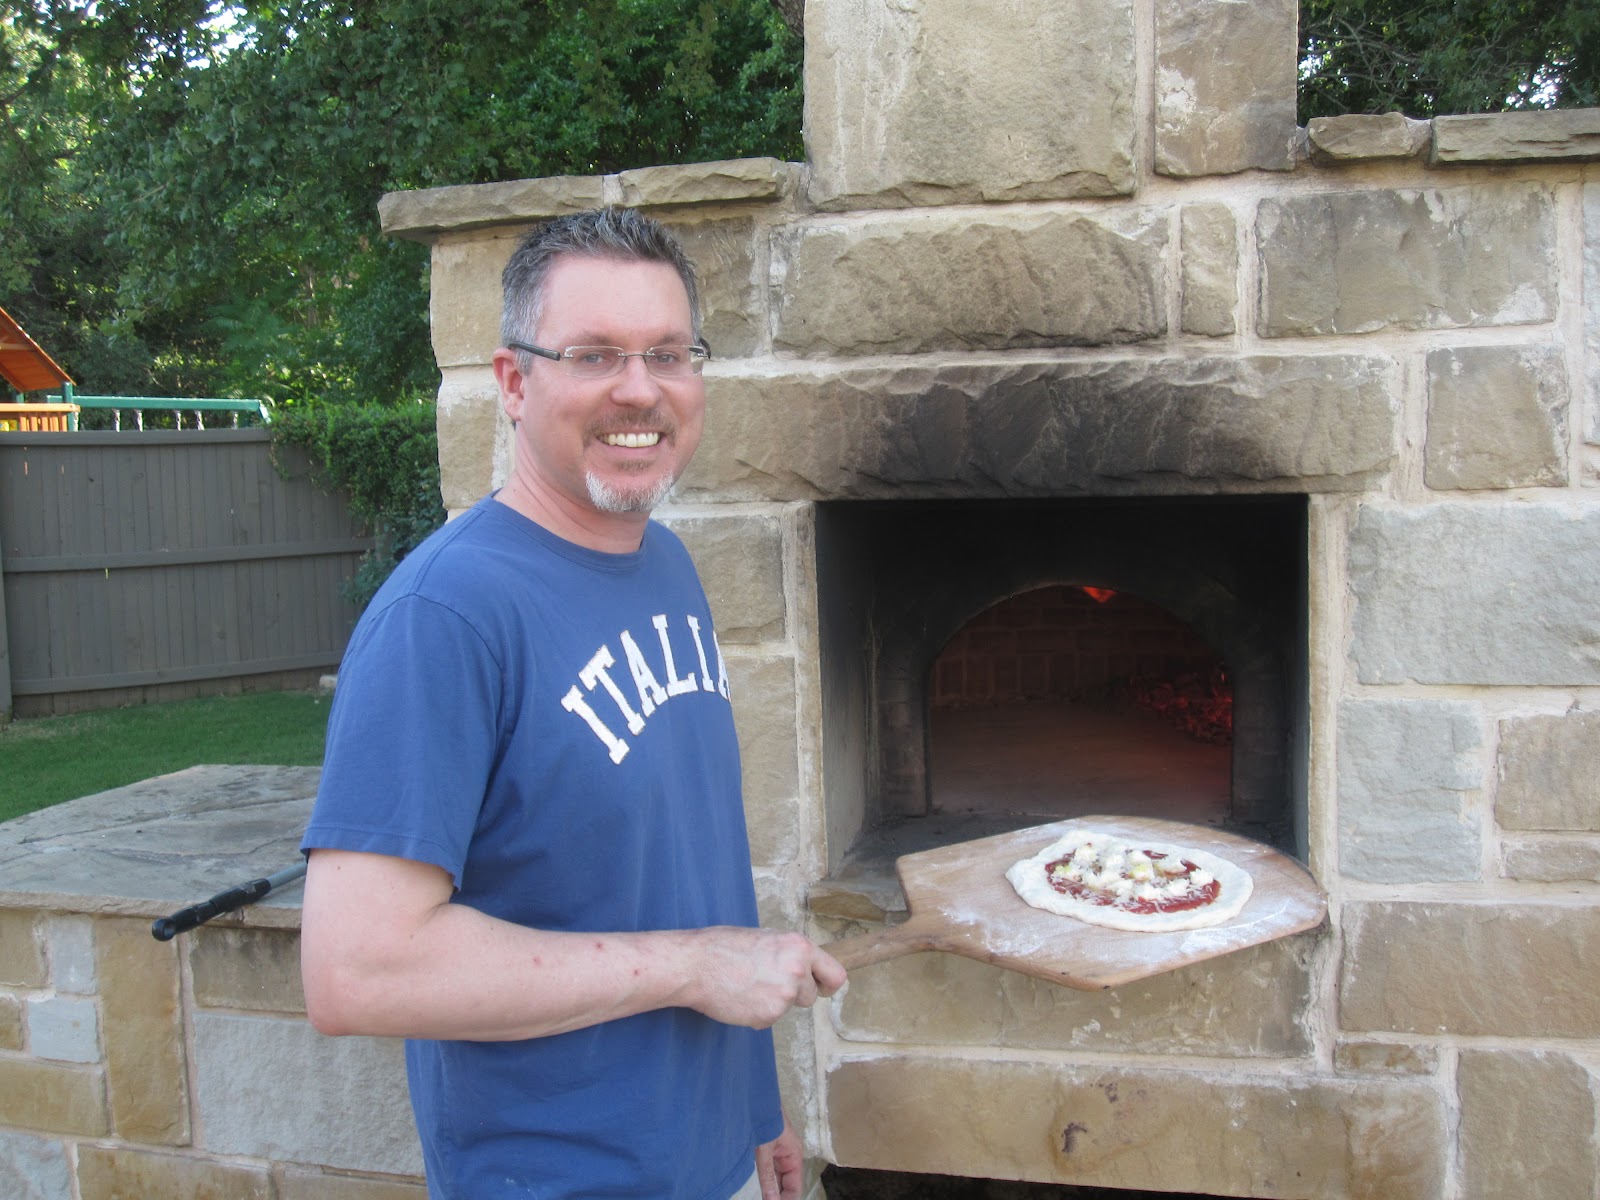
(550, 725)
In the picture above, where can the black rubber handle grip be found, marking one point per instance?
(167, 928)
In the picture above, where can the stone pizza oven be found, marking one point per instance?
(1068, 376)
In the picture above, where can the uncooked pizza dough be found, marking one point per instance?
(1131, 884)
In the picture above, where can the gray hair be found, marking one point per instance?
(624, 234)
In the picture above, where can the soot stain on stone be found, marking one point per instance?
(1069, 1136)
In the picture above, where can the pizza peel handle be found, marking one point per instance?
(909, 937)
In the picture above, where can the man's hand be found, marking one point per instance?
(753, 976)
(779, 1165)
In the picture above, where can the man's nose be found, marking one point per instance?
(634, 384)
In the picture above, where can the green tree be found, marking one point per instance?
(212, 170)
(1434, 57)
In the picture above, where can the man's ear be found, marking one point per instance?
(512, 383)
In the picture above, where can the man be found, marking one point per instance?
(528, 854)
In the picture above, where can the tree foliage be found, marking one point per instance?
(194, 183)
(1434, 57)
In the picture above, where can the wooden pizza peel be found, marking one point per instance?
(960, 902)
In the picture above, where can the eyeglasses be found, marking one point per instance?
(600, 362)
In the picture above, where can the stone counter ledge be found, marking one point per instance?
(153, 847)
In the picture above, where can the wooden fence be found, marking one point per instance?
(157, 565)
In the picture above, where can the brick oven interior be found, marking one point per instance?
(994, 692)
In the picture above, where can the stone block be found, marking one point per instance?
(1252, 1004)
(71, 944)
(1409, 772)
(707, 182)
(912, 104)
(1591, 306)
(1497, 417)
(1439, 258)
(764, 710)
(1360, 1056)
(1126, 1127)
(1019, 428)
(34, 1168)
(1476, 594)
(465, 298)
(64, 1029)
(932, 281)
(22, 960)
(119, 1172)
(146, 1076)
(253, 969)
(1554, 859)
(1225, 86)
(1548, 769)
(740, 560)
(1527, 1123)
(1474, 969)
(731, 268)
(420, 215)
(1210, 257)
(242, 1064)
(11, 1035)
(474, 437)
(53, 1097)
(315, 1185)
(1518, 136)
(1361, 137)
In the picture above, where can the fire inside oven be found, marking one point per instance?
(1017, 662)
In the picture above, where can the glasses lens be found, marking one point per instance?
(592, 362)
(672, 361)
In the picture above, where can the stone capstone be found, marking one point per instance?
(1009, 428)
(1358, 137)
(1526, 1115)
(1497, 417)
(1209, 239)
(1437, 258)
(1225, 86)
(1476, 594)
(921, 104)
(905, 284)
(1471, 968)
(254, 1108)
(1127, 1127)
(1409, 772)
(1250, 1004)
(1548, 770)
(421, 214)
(1518, 136)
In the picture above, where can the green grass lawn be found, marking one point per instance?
(51, 759)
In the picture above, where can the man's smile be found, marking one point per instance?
(631, 441)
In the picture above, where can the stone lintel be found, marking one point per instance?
(1555, 134)
(1035, 427)
(424, 214)
(1362, 137)
(1317, 1138)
